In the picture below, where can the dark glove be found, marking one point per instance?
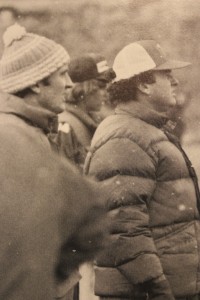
(158, 289)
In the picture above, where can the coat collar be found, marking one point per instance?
(146, 114)
(37, 116)
(87, 119)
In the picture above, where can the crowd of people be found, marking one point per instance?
(93, 179)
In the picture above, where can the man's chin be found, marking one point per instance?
(174, 99)
(59, 110)
(172, 103)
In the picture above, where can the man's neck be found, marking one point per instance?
(147, 102)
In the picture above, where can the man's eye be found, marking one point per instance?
(64, 73)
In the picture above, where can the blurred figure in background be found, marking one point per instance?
(91, 75)
(154, 248)
(47, 208)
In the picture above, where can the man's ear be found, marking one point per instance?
(35, 88)
(144, 88)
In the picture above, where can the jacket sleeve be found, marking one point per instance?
(28, 224)
(46, 206)
(86, 216)
(129, 174)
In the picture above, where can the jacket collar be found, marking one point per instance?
(146, 114)
(87, 119)
(37, 116)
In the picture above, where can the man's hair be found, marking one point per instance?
(125, 90)
(23, 93)
(83, 89)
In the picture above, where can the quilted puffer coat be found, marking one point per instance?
(154, 202)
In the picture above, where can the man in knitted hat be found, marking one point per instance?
(154, 250)
(41, 210)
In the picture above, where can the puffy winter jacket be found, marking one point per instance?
(154, 201)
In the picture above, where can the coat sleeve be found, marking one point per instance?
(46, 205)
(84, 220)
(28, 225)
(128, 173)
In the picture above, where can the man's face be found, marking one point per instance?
(53, 94)
(162, 91)
(99, 95)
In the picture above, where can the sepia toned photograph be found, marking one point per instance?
(99, 150)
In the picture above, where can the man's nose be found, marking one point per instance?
(68, 94)
(69, 83)
(174, 81)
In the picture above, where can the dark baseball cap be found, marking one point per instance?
(90, 66)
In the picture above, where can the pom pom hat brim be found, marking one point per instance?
(143, 56)
(27, 59)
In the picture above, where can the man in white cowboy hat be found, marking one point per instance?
(45, 204)
(154, 249)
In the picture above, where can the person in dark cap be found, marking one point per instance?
(154, 249)
(47, 207)
(91, 76)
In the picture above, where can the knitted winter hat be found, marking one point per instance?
(90, 66)
(27, 59)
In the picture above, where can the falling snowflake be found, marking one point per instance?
(181, 207)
